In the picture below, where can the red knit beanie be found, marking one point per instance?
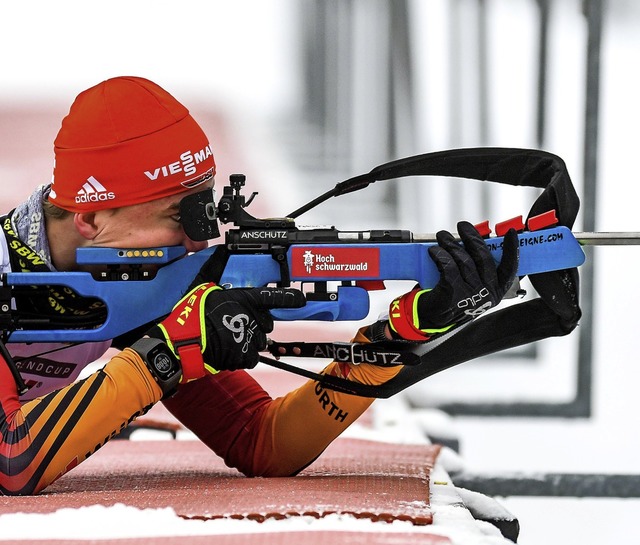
(127, 141)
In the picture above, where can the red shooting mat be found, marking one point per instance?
(366, 479)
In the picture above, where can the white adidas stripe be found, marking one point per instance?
(92, 186)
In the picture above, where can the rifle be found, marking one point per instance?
(259, 252)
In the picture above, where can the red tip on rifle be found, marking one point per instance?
(483, 228)
(547, 219)
(513, 223)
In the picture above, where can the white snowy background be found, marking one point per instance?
(242, 56)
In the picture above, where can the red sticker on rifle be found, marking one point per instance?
(341, 262)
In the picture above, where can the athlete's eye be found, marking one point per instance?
(176, 218)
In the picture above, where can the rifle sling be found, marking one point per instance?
(555, 312)
(383, 354)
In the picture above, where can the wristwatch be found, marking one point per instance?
(161, 362)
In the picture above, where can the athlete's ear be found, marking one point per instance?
(85, 224)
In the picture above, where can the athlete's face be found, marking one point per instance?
(146, 225)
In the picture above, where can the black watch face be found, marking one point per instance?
(162, 362)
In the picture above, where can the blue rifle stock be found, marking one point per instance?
(134, 302)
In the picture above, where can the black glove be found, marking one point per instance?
(212, 329)
(470, 284)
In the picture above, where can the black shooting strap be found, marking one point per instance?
(555, 312)
(382, 354)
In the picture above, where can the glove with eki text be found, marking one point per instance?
(213, 329)
(470, 284)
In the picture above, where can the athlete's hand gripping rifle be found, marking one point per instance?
(258, 252)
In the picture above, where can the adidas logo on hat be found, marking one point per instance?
(94, 191)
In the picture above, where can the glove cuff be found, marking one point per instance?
(182, 331)
(403, 317)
